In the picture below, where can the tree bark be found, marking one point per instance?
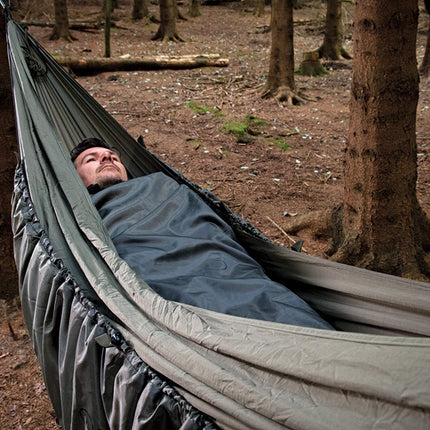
(280, 80)
(259, 8)
(311, 65)
(194, 9)
(380, 224)
(384, 228)
(61, 26)
(425, 65)
(81, 26)
(167, 29)
(140, 9)
(108, 12)
(114, 5)
(8, 140)
(82, 66)
(332, 45)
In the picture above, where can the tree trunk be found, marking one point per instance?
(114, 5)
(108, 12)
(61, 26)
(167, 29)
(384, 228)
(9, 282)
(82, 66)
(280, 80)
(140, 9)
(194, 9)
(332, 45)
(179, 14)
(425, 65)
(259, 8)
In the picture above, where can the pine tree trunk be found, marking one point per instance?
(259, 8)
(9, 281)
(108, 13)
(61, 26)
(425, 65)
(167, 29)
(194, 9)
(114, 5)
(332, 45)
(382, 220)
(141, 10)
(137, 12)
(280, 80)
(83, 66)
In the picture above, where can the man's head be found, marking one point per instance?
(97, 164)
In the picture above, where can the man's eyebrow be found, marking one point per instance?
(95, 152)
(88, 154)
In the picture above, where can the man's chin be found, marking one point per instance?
(109, 181)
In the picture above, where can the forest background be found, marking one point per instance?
(269, 161)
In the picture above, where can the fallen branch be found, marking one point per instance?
(284, 232)
(12, 332)
(73, 26)
(82, 66)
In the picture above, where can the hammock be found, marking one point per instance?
(114, 354)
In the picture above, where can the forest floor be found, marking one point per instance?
(291, 166)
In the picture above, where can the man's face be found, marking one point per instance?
(100, 166)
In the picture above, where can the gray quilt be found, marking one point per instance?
(188, 254)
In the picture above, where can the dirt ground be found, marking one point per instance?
(292, 165)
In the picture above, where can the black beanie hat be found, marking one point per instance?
(90, 142)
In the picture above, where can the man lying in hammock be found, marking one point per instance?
(179, 245)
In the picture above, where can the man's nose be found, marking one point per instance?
(106, 156)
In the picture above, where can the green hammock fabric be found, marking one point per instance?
(245, 374)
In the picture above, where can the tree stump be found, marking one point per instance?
(311, 65)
